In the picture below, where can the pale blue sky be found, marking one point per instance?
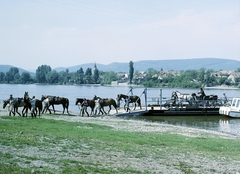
(67, 33)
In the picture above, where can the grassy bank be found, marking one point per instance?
(57, 146)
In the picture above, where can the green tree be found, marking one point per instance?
(52, 77)
(41, 73)
(108, 77)
(131, 71)
(2, 77)
(88, 76)
(96, 76)
(12, 76)
(25, 78)
(80, 73)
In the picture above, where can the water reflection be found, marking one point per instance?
(215, 123)
(229, 125)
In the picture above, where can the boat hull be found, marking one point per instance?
(184, 112)
(233, 110)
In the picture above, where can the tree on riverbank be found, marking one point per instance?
(151, 78)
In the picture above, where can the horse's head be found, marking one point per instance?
(79, 100)
(26, 96)
(5, 102)
(119, 97)
(43, 97)
(95, 97)
(194, 94)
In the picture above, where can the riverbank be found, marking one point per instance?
(161, 148)
(221, 87)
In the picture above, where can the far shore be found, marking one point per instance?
(221, 87)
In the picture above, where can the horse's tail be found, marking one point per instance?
(67, 103)
(139, 101)
(40, 106)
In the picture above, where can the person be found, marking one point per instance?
(174, 98)
(84, 107)
(202, 94)
(33, 106)
(10, 99)
(97, 106)
(127, 103)
(225, 98)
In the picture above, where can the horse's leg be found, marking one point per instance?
(17, 112)
(109, 109)
(53, 108)
(49, 110)
(99, 110)
(135, 105)
(85, 110)
(139, 104)
(63, 108)
(124, 106)
(23, 112)
(103, 111)
(67, 109)
(116, 109)
(24, 109)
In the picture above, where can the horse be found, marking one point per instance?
(133, 99)
(90, 103)
(183, 97)
(15, 103)
(53, 100)
(36, 107)
(106, 102)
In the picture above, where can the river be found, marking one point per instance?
(216, 123)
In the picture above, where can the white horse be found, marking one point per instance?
(183, 97)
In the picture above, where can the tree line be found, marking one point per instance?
(151, 78)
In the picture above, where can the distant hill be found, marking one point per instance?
(178, 64)
(6, 68)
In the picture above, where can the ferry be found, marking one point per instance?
(232, 110)
(179, 105)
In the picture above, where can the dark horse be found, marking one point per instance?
(36, 107)
(106, 102)
(90, 103)
(15, 103)
(53, 100)
(133, 99)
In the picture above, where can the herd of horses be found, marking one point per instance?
(40, 106)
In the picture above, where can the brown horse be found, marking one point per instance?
(133, 99)
(53, 100)
(90, 103)
(106, 102)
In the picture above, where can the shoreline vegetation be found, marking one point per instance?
(109, 144)
(150, 78)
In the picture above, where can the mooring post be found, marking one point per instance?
(160, 99)
(145, 91)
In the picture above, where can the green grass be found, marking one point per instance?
(71, 138)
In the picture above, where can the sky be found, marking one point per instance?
(65, 33)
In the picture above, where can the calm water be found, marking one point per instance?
(216, 123)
